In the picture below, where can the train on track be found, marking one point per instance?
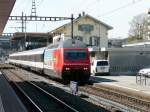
(137, 45)
(68, 60)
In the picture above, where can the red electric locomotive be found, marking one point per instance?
(68, 60)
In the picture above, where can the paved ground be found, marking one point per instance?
(1, 105)
(124, 81)
(9, 102)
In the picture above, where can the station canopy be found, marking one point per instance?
(31, 35)
(6, 7)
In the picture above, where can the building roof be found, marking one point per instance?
(78, 19)
(6, 7)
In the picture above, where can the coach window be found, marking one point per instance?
(39, 58)
(16, 57)
(25, 58)
(22, 57)
(30, 58)
(34, 57)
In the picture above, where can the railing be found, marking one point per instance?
(143, 79)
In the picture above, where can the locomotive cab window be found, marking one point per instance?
(75, 54)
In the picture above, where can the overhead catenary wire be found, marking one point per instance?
(89, 6)
(119, 8)
(86, 4)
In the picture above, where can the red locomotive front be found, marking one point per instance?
(76, 64)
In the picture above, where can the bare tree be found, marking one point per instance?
(138, 27)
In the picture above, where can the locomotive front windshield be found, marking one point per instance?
(75, 54)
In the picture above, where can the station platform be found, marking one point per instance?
(9, 102)
(125, 82)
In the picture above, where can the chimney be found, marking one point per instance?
(79, 15)
(83, 13)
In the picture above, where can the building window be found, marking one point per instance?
(94, 41)
(85, 27)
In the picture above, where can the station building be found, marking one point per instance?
(89, 30)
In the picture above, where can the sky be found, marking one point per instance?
(116, 13)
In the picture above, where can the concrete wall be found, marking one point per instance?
(128, 61)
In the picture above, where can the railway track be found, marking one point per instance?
(39, 99)
(76, 102)
(124, 102)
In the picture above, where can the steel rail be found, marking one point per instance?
(55, 98)
(129, 101)
(23, 95)
(69, 108)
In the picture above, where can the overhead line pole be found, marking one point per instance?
(72, 26)
(22, 23)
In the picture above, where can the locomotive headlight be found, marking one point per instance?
(67, 68)
(85, 68)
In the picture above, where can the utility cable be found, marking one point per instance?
(122, 7)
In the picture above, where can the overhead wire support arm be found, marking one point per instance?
(38, 18)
